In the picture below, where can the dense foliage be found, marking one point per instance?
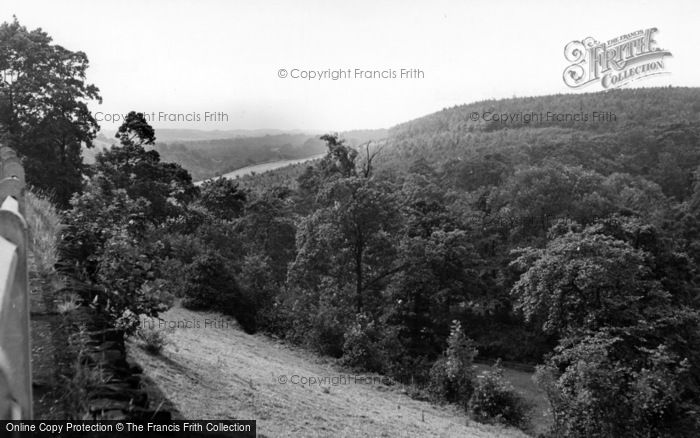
(43, 108)
(495, 400)
(572, 245)
(568, 244)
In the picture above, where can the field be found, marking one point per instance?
(219, 372)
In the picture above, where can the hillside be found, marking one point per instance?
(642, 139)
(223, 373)
(455, 133)
(564, 245)
(206, 154)
(171, 135)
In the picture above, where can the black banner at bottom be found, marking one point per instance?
(143, 429)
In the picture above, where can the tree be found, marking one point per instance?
(452, 376)
(43, 108)
(438, 283)
(129, 166)
(112, 244)
(552, 191)
(351, 227)
(94, 218)
(349, 240)
(339, 162)
(268, 230)
(585, 281)
(210, 284)
(611, 383)
(624, 365)
(340, 159)
(223, 198)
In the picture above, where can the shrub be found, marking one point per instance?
(81, 381)
(260, 289)
(152, 339)
(361, 349)
(313, 319)
(494, 400)
(452, 376)
(327, 334)
(95, 218)
(128, 321)
(182, 247)
(210, 285)
(128, 278)
(413, 370)
(68, 303)
(595, 389)
(440, 387)
(447, 384)
(207, 279)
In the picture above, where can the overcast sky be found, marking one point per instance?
(224, 56)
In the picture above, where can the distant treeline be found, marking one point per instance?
(209, 158)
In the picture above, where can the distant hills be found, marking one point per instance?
(644, 138)
(456, 134)
(172, 135)
(529, 135)
(206, 154)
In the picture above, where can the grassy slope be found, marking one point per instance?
(222, 373)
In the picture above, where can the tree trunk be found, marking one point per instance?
(359, 249)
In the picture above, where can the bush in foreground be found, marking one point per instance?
(372, 346)
(452, 376)
(494, 400)
(210, 285)
(152, 339)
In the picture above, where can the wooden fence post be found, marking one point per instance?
(15, 340)
(7, 152)
(12, 167)
(14, 310)
(13, 187)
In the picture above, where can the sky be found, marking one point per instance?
(185, 59)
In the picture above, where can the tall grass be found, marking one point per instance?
(44, 223)
(83, 378)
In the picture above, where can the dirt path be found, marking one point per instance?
(219, 372)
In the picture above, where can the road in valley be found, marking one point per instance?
(264, 167)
